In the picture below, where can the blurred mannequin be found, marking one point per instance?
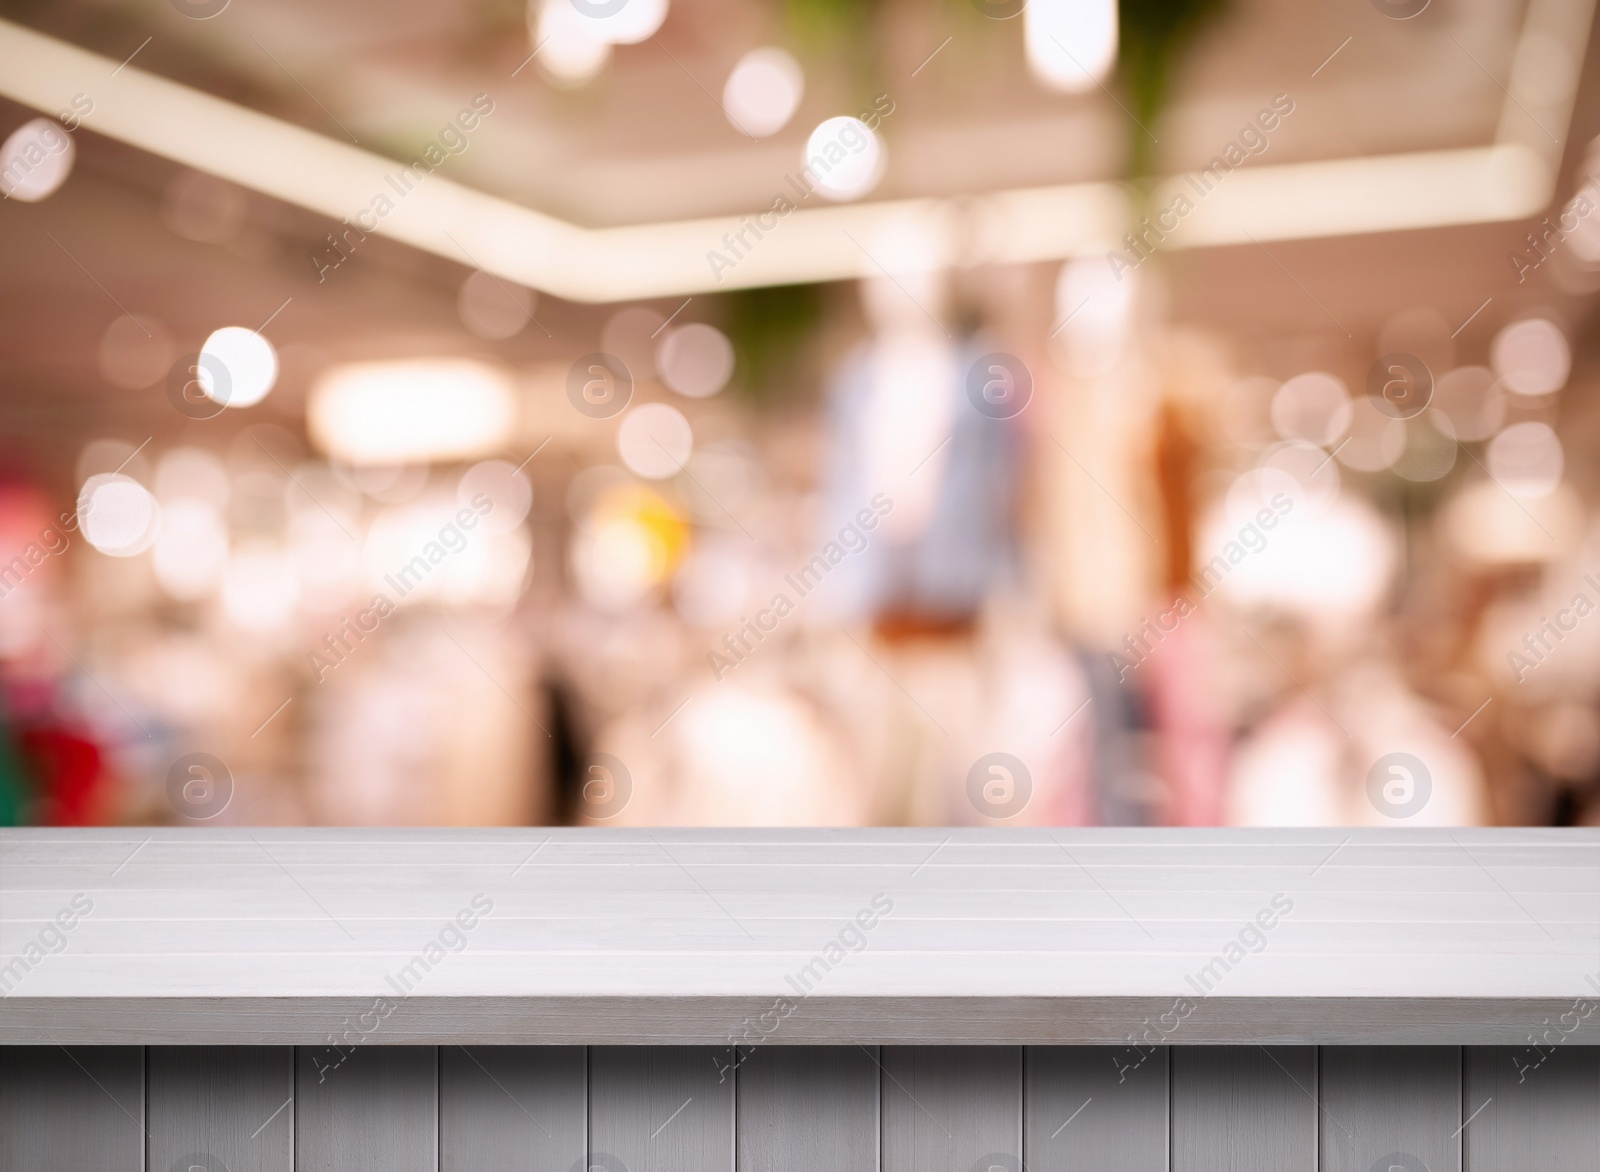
(901, 425)
(904, 429)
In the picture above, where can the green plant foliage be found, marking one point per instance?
(839, 39)
(769, 329)
(831, 24)
(1152, 36)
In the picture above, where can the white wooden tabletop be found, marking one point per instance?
(797, 936)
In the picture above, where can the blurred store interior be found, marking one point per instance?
(799, 412)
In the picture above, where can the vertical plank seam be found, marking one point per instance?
(877, 1063)
(1022, 1100)
(1316, 1109)
(883, 1134)
(1463, 1099)
(733, 1092)
(1172, 1109)
(144, 1094)
(294, 1095)
(438, 1109)
(1022, 1139)
(1172, 1119)
(294, 1108)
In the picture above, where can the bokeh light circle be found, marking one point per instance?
(509, 494)
(1473, 400)
(493, 308)
(1375, 440)
(35, 160)
(250, 361)
(845, 157)
(695, 360)
(1526, 459)
(763, 91)
(135, 351)
(655, 441)
(1312, 407)
(1531, 357)
(117, 514)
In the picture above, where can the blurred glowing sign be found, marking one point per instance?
(411, 412)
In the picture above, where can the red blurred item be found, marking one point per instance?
(71, 776)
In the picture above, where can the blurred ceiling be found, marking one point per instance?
(618, 190)
(648, 140)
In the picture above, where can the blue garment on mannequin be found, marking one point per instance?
(969, 541)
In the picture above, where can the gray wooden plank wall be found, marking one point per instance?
(1139, 1108)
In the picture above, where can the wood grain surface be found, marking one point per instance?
(1244, 1109)
(802, 1108)
(1533, 1106)
(952, 1108)
(377, 1110)
(672, 936)
(511, 1108)
(660, 1109)
(1097, 1106)
(220, 1107)
(1389, 1107)
(77, 1109)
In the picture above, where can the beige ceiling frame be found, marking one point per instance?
(1510, 179)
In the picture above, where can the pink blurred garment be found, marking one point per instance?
(1193, 742)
